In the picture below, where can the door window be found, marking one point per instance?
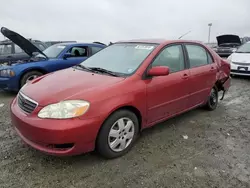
(78, 51)
(172, 57)
(95, 49)
(197, 55)
(5, 49)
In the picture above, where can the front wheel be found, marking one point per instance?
(118, 134)
(29, 76)
(212, 102)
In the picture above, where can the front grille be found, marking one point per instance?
(243, 64)
(225, 51)
(25, 103)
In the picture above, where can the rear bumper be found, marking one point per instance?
(56, 137)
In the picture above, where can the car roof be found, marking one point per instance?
(10, 42)
(76, 43)
(157, 41)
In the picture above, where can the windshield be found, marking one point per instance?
(123, 58)
(52, 51)
(245, 48)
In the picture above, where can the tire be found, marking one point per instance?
(122, 136)
(213, 99)
(27, 77)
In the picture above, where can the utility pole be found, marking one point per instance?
(209, 31)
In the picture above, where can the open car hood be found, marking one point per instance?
(22, 42)
(222, 39)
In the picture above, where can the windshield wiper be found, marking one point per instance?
(83, 67)
(99, 69)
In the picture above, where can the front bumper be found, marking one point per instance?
(55, 137)
(240, 70)
(8, 84)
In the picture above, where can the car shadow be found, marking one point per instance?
(238, 77)
(93, 158)
(7, 94)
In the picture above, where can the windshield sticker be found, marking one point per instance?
(130, 70)
(61, 47)
(141, 47)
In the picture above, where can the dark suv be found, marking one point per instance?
(9, 51)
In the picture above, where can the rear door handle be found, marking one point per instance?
(185, 76)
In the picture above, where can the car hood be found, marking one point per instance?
(22, 42)
(241, 57)
(222, 39)
(68, 84)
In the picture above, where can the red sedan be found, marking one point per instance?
(104, 102)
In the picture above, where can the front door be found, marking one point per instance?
(168, 95)
(76, 55)
(202, 73)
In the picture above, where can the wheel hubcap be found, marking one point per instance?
(31, 78)
(121, 134)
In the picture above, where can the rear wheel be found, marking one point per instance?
(29, 76)
(212, 102)
(118, 134)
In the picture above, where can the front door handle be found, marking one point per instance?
(185, 76)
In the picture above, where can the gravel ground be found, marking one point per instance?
(216, 153)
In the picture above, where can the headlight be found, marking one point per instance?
(229, 59)
(7, 73)
(233, 49)
(65, 109)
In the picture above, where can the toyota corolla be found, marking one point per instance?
(104, 102)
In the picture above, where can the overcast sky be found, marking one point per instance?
(112, 20)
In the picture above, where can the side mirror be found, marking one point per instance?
(158, 71)
(67, 55)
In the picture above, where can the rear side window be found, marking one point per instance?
(18, 49)
(172, 57)
(95, 49)
(197, 55)
(5, 49)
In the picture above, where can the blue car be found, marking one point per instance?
(14, 74)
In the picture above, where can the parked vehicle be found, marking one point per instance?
(240, 60)
(104, 102)
(9, 51)
(227, 44)
(14, 74)
(245, 39)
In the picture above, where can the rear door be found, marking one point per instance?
(202, 73)
(168, 95)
